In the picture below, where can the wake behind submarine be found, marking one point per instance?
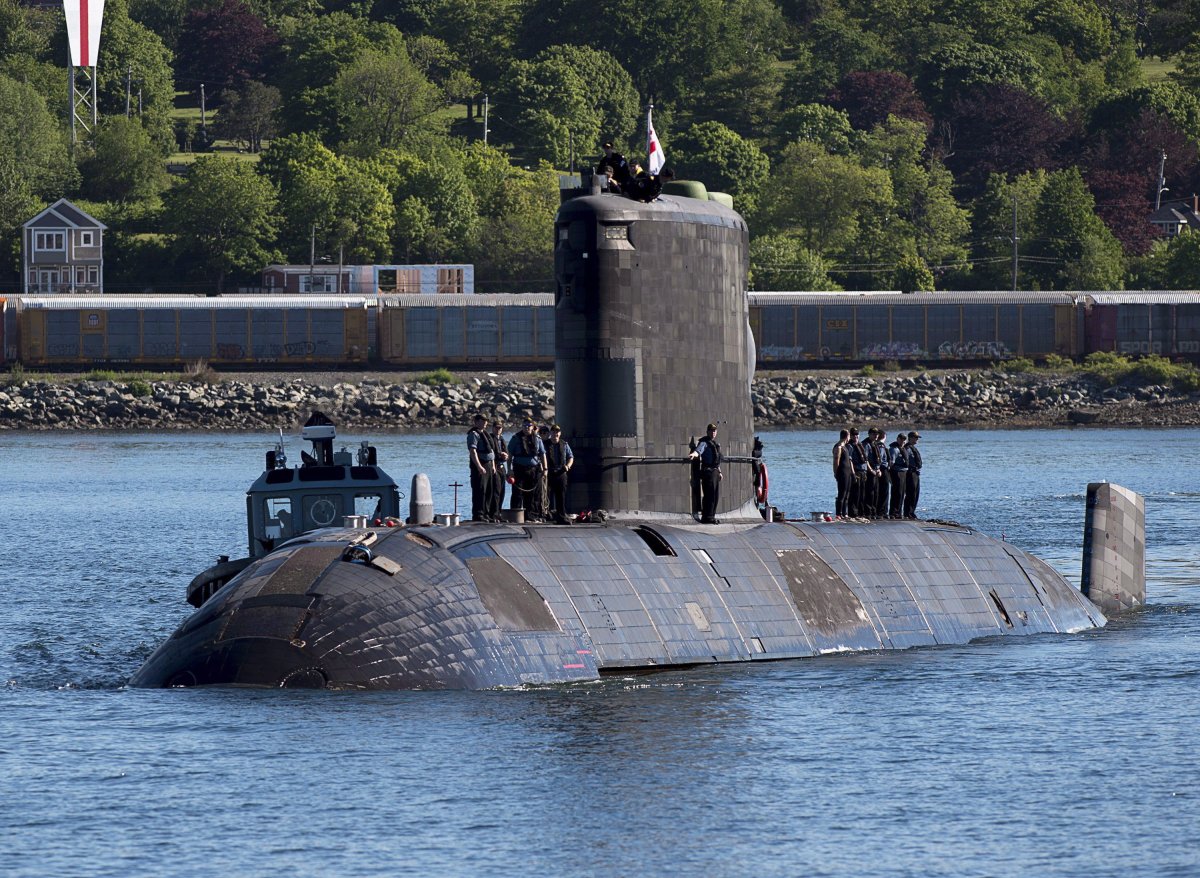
(652, 338)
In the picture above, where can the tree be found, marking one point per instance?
(130, 51)
(516, 241)
(248, 116)
(817, 123)
(992, 227)
(568, 95)
(723, 160)
(1181, 268)
(225, 45)
(437, 214)
(823, 200)
(913, 274)
(125, 164)
(33, 142)
(314, 52)
(223, 215)
(869, 98)
(382, 97)
(1073, 248)
(1000, 129)
(781, 262)
(1123, 203)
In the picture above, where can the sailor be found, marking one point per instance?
(708, 452)
(898, 463)
(528, 456)
(843, 474)
(912, 490)
(647, 187)
(616, 163)
(871, 492)
(884, 481)
(482, 461)
(500, 476)
(559, 459)
(858, 485)
(542, 505)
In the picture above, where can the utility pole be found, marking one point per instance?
(128, 88)
(571, 138)
(1015, 239)
(312, 256)
(1162, 181)
(203, 118)
(139, 101)
(485, 115)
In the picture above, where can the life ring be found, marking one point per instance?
(762, 485)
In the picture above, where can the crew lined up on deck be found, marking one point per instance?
(870, 474)
(535, 465)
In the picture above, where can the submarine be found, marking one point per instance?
(652, 339)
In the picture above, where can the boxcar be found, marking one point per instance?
(457, 330)
(1164, 323)
(174, 330)
(925, 327)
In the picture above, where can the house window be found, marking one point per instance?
(93, 277)
(87, 239)
(48, 241)
(318, 283)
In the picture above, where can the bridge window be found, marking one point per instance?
(370, 505)
(277, 524)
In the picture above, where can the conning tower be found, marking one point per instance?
(652, 342)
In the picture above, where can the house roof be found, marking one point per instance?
(1175, 212)
(64, 214)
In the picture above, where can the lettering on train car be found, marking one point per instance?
(781, 352)
(230, 351)
(93, 320)
(68, 349)
(159, 349)
(299, 349)
(837, 324)
(1188, 347)
(1141, 347)
(973, 350)
(893, 350)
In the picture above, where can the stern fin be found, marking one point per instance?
(1114, 548)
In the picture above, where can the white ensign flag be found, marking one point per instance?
(83, 30)
(654, 153)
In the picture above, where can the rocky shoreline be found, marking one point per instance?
(988, 398)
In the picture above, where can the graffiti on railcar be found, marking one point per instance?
(781, 352)
(299, 349)
(974, 350)
(1140, 347)
(227, 350)
(893, 350)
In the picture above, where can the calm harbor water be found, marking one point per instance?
(1054, 755)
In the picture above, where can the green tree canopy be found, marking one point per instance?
(1073, 248)
(223, 218)
(382, 97)
(723, 160)
(781, 262)
(125, 164)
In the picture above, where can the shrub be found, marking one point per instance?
(438, 376)
(199, 371)
(1017, 365)
(1154, 369)
(1056, 363)
(139, 388)
(16, 375)
(1108, 367)
(100, 375)
(867, 371)
(891, 366)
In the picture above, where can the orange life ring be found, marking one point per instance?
(763, 485)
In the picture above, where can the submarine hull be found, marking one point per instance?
(486, 606)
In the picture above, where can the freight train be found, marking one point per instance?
(517, 331)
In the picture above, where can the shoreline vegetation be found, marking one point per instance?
(1107, 390)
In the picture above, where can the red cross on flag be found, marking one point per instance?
(83, 30)
(654, 154)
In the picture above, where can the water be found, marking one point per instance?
(1052, 755)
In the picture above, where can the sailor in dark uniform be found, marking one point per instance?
(858, 485)
(843, 474)
(874, 468)
(884, 481)
(528, 456)
(708, 452)
(500, 473)
(559, 460)
(898, 463)
(912, 491)
(617, 163)
(482, 461)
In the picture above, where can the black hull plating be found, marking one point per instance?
(490, 606)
